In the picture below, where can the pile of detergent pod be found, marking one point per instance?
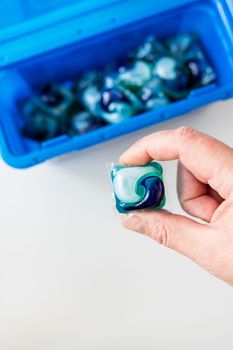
(153, 75)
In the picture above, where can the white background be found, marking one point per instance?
(72, 278)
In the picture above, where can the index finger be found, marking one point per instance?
(208, 159)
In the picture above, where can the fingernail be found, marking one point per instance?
(133, 222)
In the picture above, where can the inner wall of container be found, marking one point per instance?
(22, 80)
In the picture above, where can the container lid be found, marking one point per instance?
(31, 27)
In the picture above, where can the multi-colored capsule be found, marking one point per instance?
(83, 122)
(138, 187)
(46, 115)
(134, 75)
(188, 48)
(150, 51)
(106, 99)
(54, 99)
(152, 95)
(174, 77)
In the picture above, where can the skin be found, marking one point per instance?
(205, 190)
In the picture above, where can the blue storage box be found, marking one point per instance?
(56, 40)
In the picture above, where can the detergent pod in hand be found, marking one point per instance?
(138, 187)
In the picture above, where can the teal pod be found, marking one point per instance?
(187, 48)
(152, 95)
(89, 78)
(150, 51)
(174, 77)
(83, 122)
(104, 98)
(87, 90)
(117, 104)
(135, 75)
(46, 115)
(138, 187)
(55, 100)
(115, 110)
(180, 44)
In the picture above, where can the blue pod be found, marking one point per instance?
(87, 89)
(187, 48)
(114, 105)
(202, 73)
(152, 95)
(55, 100)
(181, 43)
(83, 122)
(150, 51)
(174, 77)
(110, 96)
(41, 127)
(134, 75)
(105, 98)
(117, 104)
(46, 114)
(138, 187)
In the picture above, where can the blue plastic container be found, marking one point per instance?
(55, 40)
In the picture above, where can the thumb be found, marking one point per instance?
(174, 231)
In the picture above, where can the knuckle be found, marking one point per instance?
(185, 132)
(160, 233)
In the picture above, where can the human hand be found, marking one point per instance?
(205, 190)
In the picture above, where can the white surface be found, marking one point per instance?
(72, 278)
